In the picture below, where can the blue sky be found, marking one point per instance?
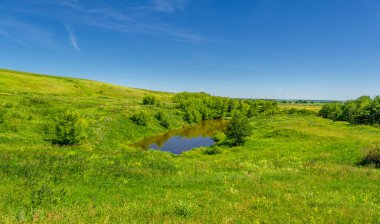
(303, 49)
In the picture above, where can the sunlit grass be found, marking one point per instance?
(293, 169)
(308, 106)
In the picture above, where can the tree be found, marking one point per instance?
(374, 111)
(69, 129)
(192, 115)
(239, 129)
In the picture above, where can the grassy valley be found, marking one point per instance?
(295, 167)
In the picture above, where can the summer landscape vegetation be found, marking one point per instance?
(69, 154)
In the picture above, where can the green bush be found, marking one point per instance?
(239, 129)
(219, 137)
(300, 111)
(163, 119)
(150, 100)
(372, 158)
(141, 118)
(331, 111)
(363, 110)
(3, 112)
(182, 210)
(192, 115)
(213, 150)
(69, 129)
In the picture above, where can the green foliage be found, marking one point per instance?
(239, 129)
(3, 113)
(202, 106)
(192, 115)
(69, 129)
(280, 175)
(141, 118)
(163, 119)
(363, 110)
(332, 111)
(372, 158)
(219, 137)
(151, 100)
(213, 150)
(265, 107)
(300, 111)
(182, 210)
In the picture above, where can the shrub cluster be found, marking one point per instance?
(300, 111)
(144, 118)
(163, 119)
(3, 112)
(238, 129)
(219, 137)
(212, 150)
(363, 110)
(69, 129)
(202, 106)
(141, 118)
(150, 100)
(372, 158)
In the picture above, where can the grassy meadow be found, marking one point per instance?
(294, 168)
(307, 106)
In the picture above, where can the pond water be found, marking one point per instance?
(180, 140)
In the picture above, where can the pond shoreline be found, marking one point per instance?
(184, 139)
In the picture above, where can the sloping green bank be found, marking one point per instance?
(293, 169)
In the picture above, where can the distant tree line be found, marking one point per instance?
(363, 110)
(299, 101)
(202, 106)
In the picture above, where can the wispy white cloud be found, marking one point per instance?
(5, 34)
(72, 38)
(108, 13)
(74, 4)
(128, 19)
(138, 20)
(131, 25)
(24, 33)
(168, 5)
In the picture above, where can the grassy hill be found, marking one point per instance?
(293, 169)
(13, 82)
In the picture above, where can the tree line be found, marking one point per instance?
(202, 106)
(363, 110)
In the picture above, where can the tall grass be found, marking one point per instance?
(294, 168)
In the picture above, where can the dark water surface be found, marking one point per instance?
(181, 140)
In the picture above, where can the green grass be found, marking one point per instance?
(308, 106)
(293, 169)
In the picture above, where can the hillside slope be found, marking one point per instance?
(294, 168)
(33, 102)
(14, 82)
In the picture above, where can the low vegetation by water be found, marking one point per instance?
(295, 167)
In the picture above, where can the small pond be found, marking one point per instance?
(180, 140)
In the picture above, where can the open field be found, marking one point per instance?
(293, 169)
(308, 106)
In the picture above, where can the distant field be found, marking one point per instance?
(313, 107)
(293, 168)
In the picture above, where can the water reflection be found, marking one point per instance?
(180, 140)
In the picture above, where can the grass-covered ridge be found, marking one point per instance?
(294, 168)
